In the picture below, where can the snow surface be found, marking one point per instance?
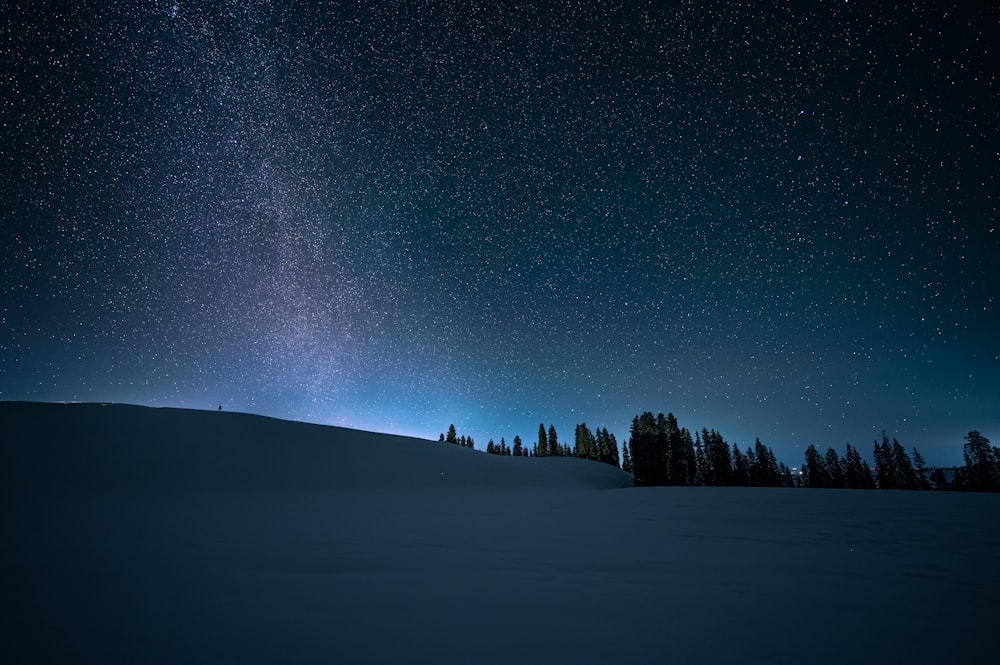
(163, 536)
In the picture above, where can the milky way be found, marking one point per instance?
(774, 222)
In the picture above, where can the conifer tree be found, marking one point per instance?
(452, 436)
(490, 447)
(919, 465)
(720, 463)
(700, 461)
(764, 470)
(554, 448)
(518, 446)
(857, 474)
(982, 464)
(585, 444)
(814, 470)
(907, 477)
(612, 444)
(647, 460)
(626, 458)
(836, 477)
(542, 447)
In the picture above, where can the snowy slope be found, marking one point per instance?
(90, 446)
(165, 536)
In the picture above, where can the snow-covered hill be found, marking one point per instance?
(164, 536)
(113, 447)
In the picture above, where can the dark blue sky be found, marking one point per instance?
(773, 222)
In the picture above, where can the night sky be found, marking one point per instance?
(778, 223)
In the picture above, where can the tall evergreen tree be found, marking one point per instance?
(814, 472)
(518, 447)
(919, 467)
(982, 463)
(542, 447)
(886, 476)
(585, 444)
(646, 442)
(904, 467)
(836, 476)
(452, 436)
(554, 448)
(720, 465)
(612, 448)
(765, 472)
(627, 458)
(856, 472)
(740, 468)
(700, 461)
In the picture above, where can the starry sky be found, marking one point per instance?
(778, 222)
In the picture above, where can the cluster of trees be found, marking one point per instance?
(896, 469)
(600, 445)
(452, 437)
(660, 452)
(981, 472)
(849, 471)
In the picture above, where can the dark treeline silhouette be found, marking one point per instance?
(600, 446)
(660, 452)
(981, 472)
(452, 437)
(895, 469)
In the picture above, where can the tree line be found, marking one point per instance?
(600, 446)
(661, 452)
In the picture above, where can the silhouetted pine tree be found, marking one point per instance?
(886, 476)
(904, 467)
(452, 436)
(701, 461)
(585, 444)
(741, 468)
(554, 448)
(814, 470)
(982, 464)
(518, 447)
(677, 455)
(626, 458)
(720, 463)
(542, 445)
(835, 474)
(856, 472)
(765, 471)
(919, 465)
(607, 447)
(646, 443)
